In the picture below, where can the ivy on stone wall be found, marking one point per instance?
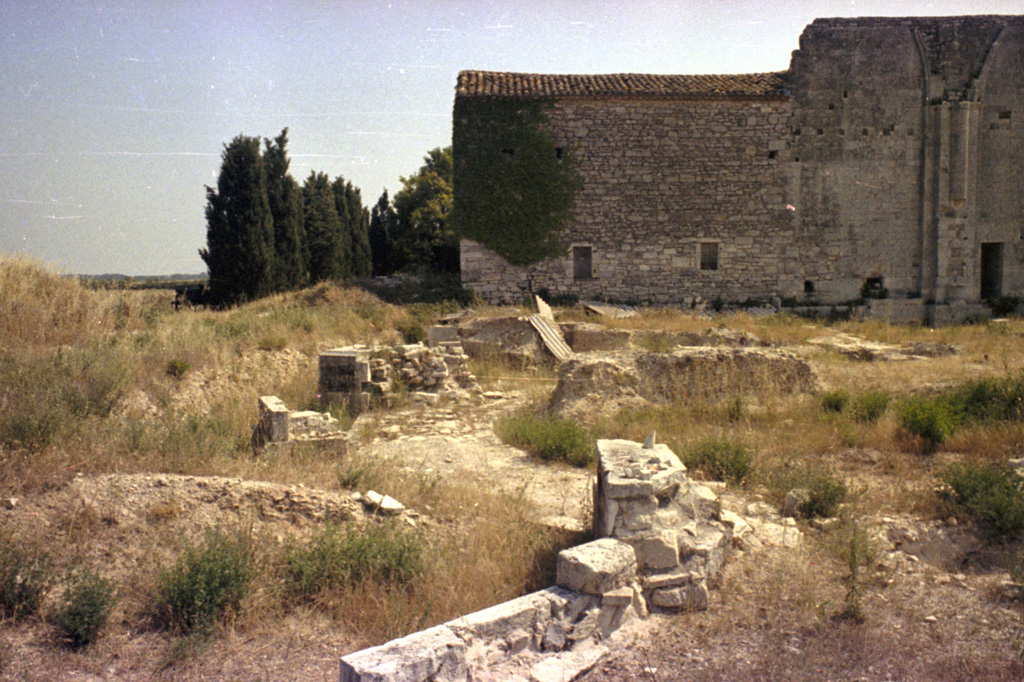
(514, 187)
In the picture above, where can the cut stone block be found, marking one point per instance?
(434, 654)
(655, 551)
(439, 334)
(274, 418)
(524, 613)
(596, 567)
(684, 598)
(623, 596)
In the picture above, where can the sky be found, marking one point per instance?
(114, 113)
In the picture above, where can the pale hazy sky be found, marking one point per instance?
(113, 113)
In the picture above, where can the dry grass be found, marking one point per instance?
(79, 367)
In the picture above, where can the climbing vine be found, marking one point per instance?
(514, 188)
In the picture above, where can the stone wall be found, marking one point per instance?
(889, 159)
(661, 178)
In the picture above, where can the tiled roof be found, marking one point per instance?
(503, 84)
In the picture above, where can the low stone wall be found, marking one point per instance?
(664, 544)
(599, 383)
(278, 425)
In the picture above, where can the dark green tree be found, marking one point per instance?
(291, 253)
(239, 251)
(362, 259)
(423, 237)
(323, 229)
(347, 215)
(382, 227)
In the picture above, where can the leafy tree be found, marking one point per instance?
(239, 249)
(423, 237)
(291, 253)
(382, 228)
(323, 229)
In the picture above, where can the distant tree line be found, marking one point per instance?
(265, 233)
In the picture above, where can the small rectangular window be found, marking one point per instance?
(582, 262)
(709, 255)
(508, 151)
(1004, 115)
(558, 152)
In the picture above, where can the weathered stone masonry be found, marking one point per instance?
(888, 157)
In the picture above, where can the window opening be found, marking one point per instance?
(582, 262)
(508, 151)
(558, 152)
(808, 286)
(874, 287)
(709, 255)
(991, 270)
(1004, 115)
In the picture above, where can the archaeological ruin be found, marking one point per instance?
(882, 167)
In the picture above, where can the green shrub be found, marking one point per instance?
(825, 491)
(412, 332)
(991, 399)
(826, 494)
(720, 458)
(177, 368)
(835, 401)
(992, 495)
(869, 407)
(87, 603)
(341, 555)
(550, 438)
(24, 579)
(205, 581)
(929, 419)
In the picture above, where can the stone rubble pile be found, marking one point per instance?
(357, 374)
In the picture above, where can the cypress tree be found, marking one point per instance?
(323, 229)
(239, 251)
(347, 217)
(358, 229)
(285, 200)
(382, 227)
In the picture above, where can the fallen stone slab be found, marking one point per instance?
(385, 504)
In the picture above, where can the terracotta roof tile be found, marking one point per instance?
(504, 84)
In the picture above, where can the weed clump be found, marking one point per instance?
(869, 407)
(928, 419)
(550, 438)
(992, 495)
(87, 603)
(720, 458)
(825, 491)
(206, 581)
(177, 368)
(24, 579)
(835, 401)
(341, 555)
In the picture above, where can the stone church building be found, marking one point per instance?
(887, 163)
